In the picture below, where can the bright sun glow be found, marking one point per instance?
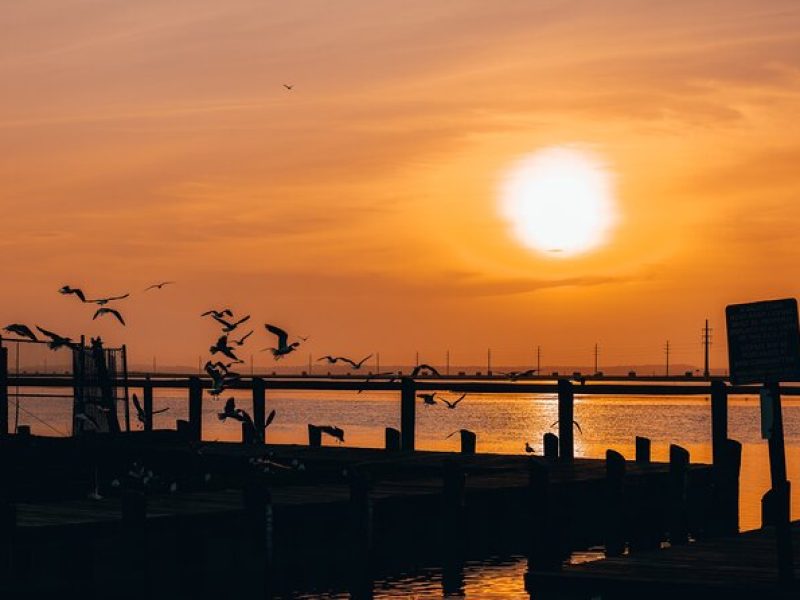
(559, 201)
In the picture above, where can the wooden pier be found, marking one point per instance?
(742, 566)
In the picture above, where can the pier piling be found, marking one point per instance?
(566, 416)
(393, 443)
(544, 535)
(678, 518)
(314, 436)
(4, 391)
(719, 420)
(615, 504)
(550, 446)
(147, 403)
(642, 450)
(408, 408)
(195, 408)
(259, 409)
(468, 441)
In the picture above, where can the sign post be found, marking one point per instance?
(764, 347)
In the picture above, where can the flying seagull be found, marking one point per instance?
(220, 376)
(573, 422)
(288, 87)
(423, 367)
(226, 312)
(331, 359)
(240, 342)
(334, 432)
(514, 375)
(390, 374)
(355, 365)
(56, 341)
(104, 301)
(223, 347)
(158, 285)
(227, 326)
(108, 311)
(428, 399)
(21, 330)
(454, 403)
(70, 290)
(283, 348)
(140, 414)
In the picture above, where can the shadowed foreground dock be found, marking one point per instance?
(743, 566)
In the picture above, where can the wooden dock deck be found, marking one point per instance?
(743, 566)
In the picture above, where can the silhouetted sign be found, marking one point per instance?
(763, 341)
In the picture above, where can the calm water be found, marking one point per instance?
(503, 423)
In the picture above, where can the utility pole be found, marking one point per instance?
(666, 352)
(416, 363)
(154, 364)
(538, 360)
(447, 358)
(488, 361)
(706, 344)
(309, 363)
(596, 352)
(377, 362)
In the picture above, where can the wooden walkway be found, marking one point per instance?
(742, 566)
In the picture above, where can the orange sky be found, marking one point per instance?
(153, 140)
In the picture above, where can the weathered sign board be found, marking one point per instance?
(763, 341)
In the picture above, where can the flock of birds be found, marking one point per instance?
(227, 345)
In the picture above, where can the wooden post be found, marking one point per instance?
(259, 409)
(615, 504)
(4, 391)
(453, 528)
(642, 450)
(566, 415)
(259, 530)
(408, 408)
(360, 534)
(719, 420)
(725, 494)
(147, 403)
(678, 501)
(314, 436)
(551, 446)
(196, 408)
(468, 441)
(545, 549)
(393, 443)
(781, 500)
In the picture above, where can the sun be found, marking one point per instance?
(559, 201)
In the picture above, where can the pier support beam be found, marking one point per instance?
(615, 504)
(147, 403)
(408, 416)
(195, 408)
(259, 409)
(550, 446)
(393, 443)
(566, 415)
(642, 450)
(678, 520)
(719, 420)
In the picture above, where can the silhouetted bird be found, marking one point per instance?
(21, 330)
(331, 359)
(455, 403)
(428, 399)
(514, 375)
(455, 432)
(104, 301)
(334, 432)
(226, 312)
(283, 348)
(423, 367)
(288, 87)
(56, 341)
(70, 290)
(109, 311)
(220, 375)
(227, 326)
(354, 364)
(223, 347)
(579, 379)
(528, 448)
(390, 374)
(158, 285)
(240, 341)
(231, 412)
(140, 414)
(577, 425)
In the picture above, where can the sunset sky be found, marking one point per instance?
(154, 140)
